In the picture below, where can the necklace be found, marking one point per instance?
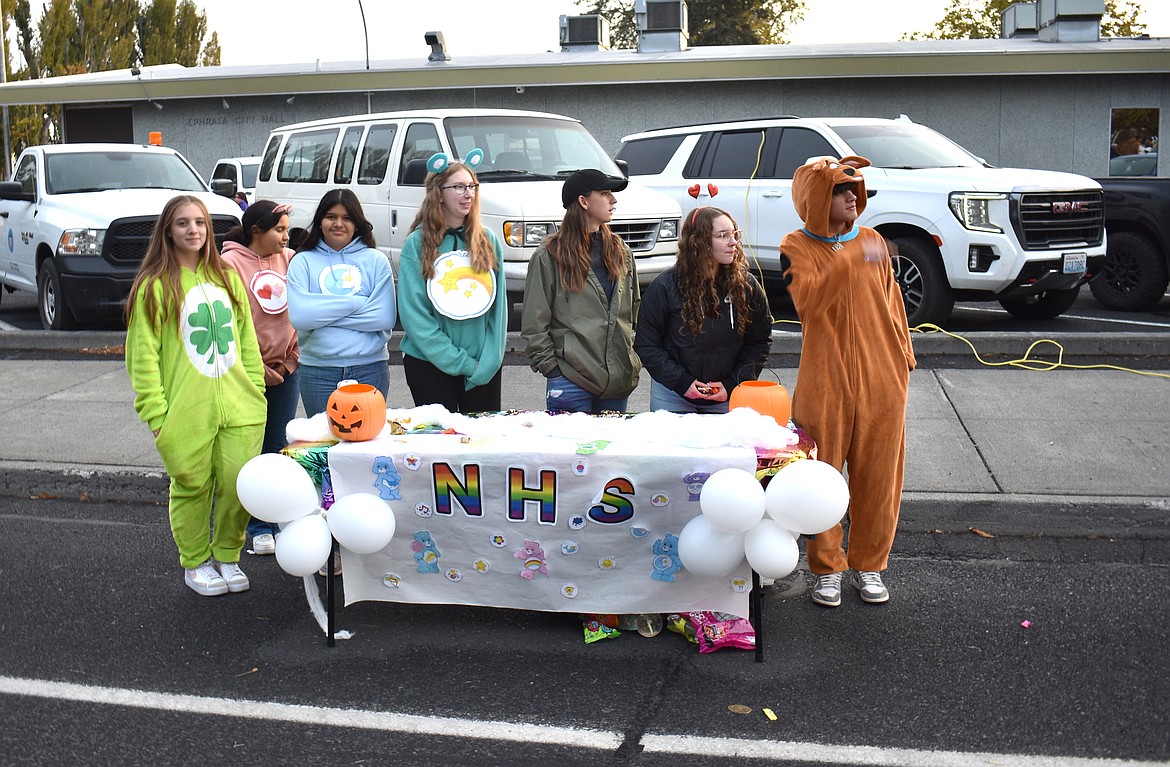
(837, 241)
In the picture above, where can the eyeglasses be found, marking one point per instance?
(733, 235)
(462, 188)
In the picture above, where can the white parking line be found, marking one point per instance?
(600, 740)
(815, 753)
(1111, 320)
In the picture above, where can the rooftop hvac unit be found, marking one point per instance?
(1018, 20)
(1069, 21)
(662, 25)
(584, 33)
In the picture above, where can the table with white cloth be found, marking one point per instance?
(542, 523)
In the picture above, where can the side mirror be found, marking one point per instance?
(223, 186)
(12, 190)
(624, 167)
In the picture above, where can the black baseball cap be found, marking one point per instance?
(582, 182)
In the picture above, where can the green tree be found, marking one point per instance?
(156, 33)
(976, 19)
(190, 28)
(211, 52)
(106, 34)
(710, 22)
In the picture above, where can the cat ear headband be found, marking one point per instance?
(438, 162)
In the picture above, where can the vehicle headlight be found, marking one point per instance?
(520, 234)
(668, 230)
(974, 210)
(81, 242)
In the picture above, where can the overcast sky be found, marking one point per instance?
(300, 31)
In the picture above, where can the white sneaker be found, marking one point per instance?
(204, 580)
(827, 590)
(869, 585)
(233, 576)
(265, 543)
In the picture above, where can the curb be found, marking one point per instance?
(783, 342)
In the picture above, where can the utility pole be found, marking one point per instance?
(4, 79)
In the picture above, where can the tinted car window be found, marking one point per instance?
(26, 175)
(307, 156)
(422, 141)
(376, 154)
(346, 158)
(735, 154)
(648, 156)
(269, 160)
(796, 146)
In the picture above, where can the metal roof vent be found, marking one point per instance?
(662, 25)
(584, 33)
(1070, 21)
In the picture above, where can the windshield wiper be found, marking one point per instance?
(514, 172)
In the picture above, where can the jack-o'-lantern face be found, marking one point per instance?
(356, 412)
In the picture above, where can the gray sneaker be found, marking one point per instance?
(792, 585)
(869, 585)
(827, 590)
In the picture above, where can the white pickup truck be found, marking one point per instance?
(75, 220)
(964, 231)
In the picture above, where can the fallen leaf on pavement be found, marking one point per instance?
(980, 533)
(738, 708)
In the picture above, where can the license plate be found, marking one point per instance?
(1074, 263)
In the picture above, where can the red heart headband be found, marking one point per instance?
(694, 190)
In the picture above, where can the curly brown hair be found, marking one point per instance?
(702, 281)
(434, 226)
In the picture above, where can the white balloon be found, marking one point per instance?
(275, 488)
(707, 550)
(732, 499)
(361, 522)
(302, 548)
(771, 550)
(807, 497)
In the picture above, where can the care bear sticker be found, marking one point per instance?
(340, 280)
(208, 329)
(457, 290)
(271, 291)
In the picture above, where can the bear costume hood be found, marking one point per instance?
(812, 189)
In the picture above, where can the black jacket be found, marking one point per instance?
(674, 357)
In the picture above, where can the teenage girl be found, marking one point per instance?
(193, 360)
(341, 302)
(581, 301)
(257, 250)
(704, 325)
(452, 298)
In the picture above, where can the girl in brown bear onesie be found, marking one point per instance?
(854, 371)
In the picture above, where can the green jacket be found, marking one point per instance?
(590, 341)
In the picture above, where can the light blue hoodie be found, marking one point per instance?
(342, 304)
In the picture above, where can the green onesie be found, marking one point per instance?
(199, 380)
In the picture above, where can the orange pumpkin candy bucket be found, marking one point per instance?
(356, 412)
(764, 397)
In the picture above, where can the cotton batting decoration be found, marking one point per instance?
(771, 550)
(807, 497)
(361, 522)
(302, 548)
(764, 397)
(732, 500)
(275, 488)
(706, 550)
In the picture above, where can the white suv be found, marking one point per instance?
(963, 230)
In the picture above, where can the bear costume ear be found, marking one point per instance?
(812, 188)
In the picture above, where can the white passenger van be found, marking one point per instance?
(527, 156)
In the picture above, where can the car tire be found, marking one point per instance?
(55, 315)
(1041, 306)
(923, 281)
(1134, 277)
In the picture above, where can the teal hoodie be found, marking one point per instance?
(472, 348)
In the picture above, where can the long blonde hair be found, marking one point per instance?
(433, 223)
(160, 263)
